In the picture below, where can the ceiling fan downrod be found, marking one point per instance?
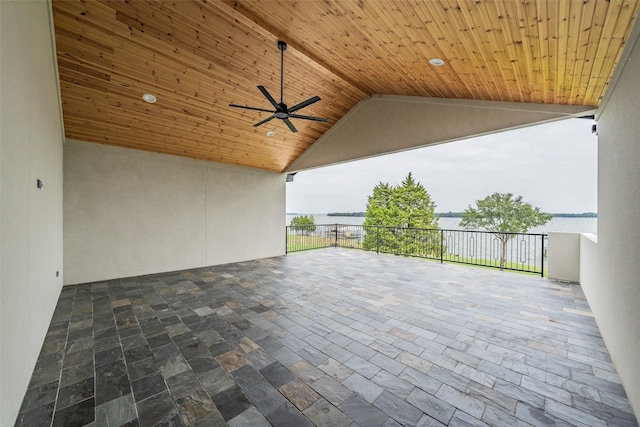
(282, 112)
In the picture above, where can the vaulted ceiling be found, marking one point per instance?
(197, 57)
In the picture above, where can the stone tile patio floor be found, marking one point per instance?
(330, 337)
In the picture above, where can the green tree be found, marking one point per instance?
(502, 214)
(395, 219)
(305, 224)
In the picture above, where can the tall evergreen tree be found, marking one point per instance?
(401, 213)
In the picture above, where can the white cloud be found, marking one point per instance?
(553, 166)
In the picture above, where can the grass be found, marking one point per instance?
(298, 242)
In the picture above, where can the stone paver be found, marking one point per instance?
(328, 337)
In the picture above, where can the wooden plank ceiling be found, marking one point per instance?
(196, 57)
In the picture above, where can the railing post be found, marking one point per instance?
(377, 239)
(542, 257)
(336, 237)
(441, 245)
(286, 239)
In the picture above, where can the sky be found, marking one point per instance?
(552, 166)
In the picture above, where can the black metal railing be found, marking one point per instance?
(507, 251)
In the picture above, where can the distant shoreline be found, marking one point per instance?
(455, 214)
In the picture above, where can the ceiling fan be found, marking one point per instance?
(282, 111)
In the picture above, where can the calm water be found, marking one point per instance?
(577, 225)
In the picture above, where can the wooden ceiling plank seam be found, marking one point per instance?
(367, 38)
(506, 58)
(442, 74)
(171, 124)
(551, 41)
(481, 56)
(563, 25)
(465, 48)
(586, 22)
(626, 17)
(184, 82)
(159, 146)
(487, 57)
(542, 18)
(358, 41)
(78, 69)
(508, 55)
(597, 51)
(175, 123)
(84, 12)
(393, 58)
(444, 86)
(358, 36)
(163, 149)
(509, 39)
(189, 146)
(593, 30)
(167, 120)
(527, 14)
(527, 37)
(519, 32)
(573, 39)
(457, 59)
(161, 50)
(601, 78)
(62, 31)
(450, 38)
(425, 72)
(230, 7)
(190, 119)
(608, 27)
(196, 84)
(220, 54)
(525, 48)
(503, 63)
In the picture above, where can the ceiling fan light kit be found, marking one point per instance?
(282, 111)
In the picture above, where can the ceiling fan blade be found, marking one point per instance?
(291, 126)
(317, 119)
(304, 104)
(269, 97)
(250, 108)
(265, 120)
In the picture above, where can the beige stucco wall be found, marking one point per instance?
(30, 218)
(128, 213)
(563, 253)
(616, 301)
(384, 124)
(589, 270)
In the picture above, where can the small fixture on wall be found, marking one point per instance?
(594, 128)
(290, 176)
(437, 62)
(39, 184)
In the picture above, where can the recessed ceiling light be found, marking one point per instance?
(147, 97)
(270, 133)
(437, 62)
